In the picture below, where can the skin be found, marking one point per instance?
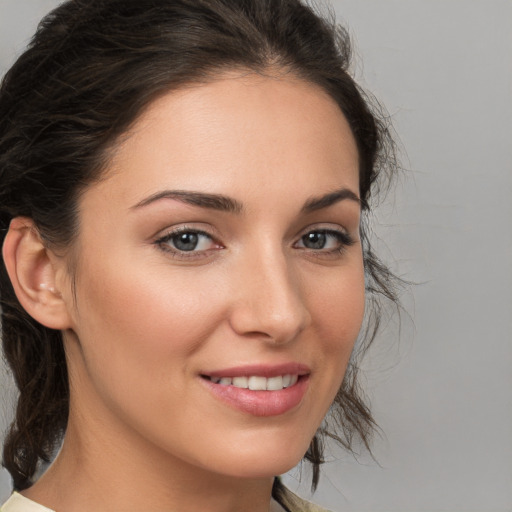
(145, 433)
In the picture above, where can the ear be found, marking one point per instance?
(36, 274)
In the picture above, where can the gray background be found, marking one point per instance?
(443, 393)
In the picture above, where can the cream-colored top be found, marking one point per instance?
(18, 503)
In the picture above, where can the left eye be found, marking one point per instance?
(324, 240)
(187, 241)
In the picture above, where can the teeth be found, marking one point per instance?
(257, 383)
(240, 382)
(274, 383)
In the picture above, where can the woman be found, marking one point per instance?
(183, 191)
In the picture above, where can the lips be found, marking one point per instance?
(260, 390)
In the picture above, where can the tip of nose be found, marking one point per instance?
(273, 327)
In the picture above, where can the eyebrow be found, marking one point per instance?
(318, 203)
(227, 204)
(202, 199)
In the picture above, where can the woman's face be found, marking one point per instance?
(220, 253)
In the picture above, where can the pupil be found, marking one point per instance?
(186, 241)
(314, 240)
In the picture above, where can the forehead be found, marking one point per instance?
(235, 133)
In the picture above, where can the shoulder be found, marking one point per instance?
(18, 503)
(296, 504)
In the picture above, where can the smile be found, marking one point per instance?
(258, 383)
(260, 390)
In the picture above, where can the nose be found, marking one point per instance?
(268, 302)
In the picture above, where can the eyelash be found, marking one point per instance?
(344, 240)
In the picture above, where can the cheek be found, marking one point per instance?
(338, 307)
(142, 303)
(139, 333)
(142, 324)
(337, 312)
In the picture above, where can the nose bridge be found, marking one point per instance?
(270, 301)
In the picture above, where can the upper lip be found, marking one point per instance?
(261, 370)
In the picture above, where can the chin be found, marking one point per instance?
(262, 460)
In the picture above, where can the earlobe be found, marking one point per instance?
(33, 274)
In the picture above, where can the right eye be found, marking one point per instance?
(182, 241)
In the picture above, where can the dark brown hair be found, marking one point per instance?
(88, 73)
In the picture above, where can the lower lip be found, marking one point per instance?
(261, 403)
